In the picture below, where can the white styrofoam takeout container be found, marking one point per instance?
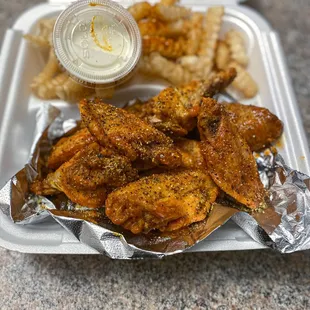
(20, 62)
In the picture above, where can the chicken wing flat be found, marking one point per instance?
(67, 147)
(192, 157)
(165, 201)
(228, 158)
(174, 110)
(88, 176)
(129, 135)
(258, 126)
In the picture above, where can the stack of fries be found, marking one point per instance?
(178, 45)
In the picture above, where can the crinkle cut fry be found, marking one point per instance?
(140, 10)
(47, 90)
(72, 91)
(155, 27)
(222, 56)
(49, 71)
(170, 48)
(157, 65)
(244, 83)
(194, 34)
(212, 27)
(229, 160)
(170, 13)
(236, 43)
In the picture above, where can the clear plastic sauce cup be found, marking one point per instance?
(97, 42)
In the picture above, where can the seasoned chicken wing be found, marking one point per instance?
(229, 159)
(67, 147)
(165, 201)
(128, 135)
(88, 176)
(174, 110)
(258, 126)
(192, 157)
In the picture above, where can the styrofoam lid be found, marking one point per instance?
(97, 41)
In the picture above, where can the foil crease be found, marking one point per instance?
(284, 226)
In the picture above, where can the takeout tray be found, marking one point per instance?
(20, 62)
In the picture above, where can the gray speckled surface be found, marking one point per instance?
(231, 280)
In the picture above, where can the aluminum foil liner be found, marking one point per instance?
(283, 226)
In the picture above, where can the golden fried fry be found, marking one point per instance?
(47, 90)
(154, 27)
(37, 40)
(49, 71)
(222, 56)
(194, 34)
(167, 47)
(168, 2)
(212, 26)
(228, 157)
(72, 91)
(44, 36)
(170, 13)
(235, 41)
(46, 26)
(167, 201)
(244, 83)
(140, 10)
(157, 65)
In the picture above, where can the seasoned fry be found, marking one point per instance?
(170, 13)
(140, 10)
(244, 82)
(72, 91)
(49, 71)
(194, 34)
(47, 90)
(154, 27)
(236, 44)
(155, 64)
(166, 47)
(222, 56)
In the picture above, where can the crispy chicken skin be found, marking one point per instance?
(192, 157)
(229, 159)
(67, 147)
(174, 110)
(88, 176)
(167, 201)
(258, 126)
(128, 135)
